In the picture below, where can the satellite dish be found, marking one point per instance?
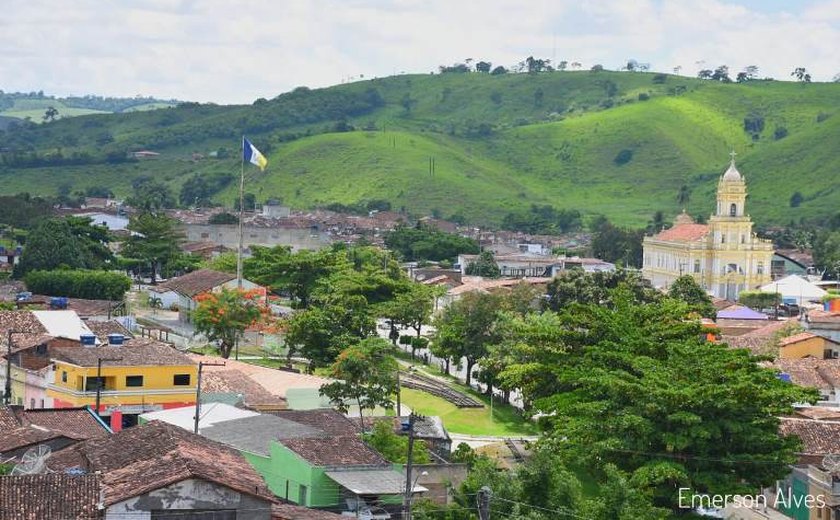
(831, 462)
(34, 461)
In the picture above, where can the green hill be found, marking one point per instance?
(621, 144)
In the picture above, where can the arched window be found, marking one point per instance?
(760, 268)
(733, 210)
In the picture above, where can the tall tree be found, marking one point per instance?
(687, 289)
(155, 241)
(366, 375)
(637, 387)
(224, 316)
(801, 74)
(485, 265)
(466, 329)
(71, 242)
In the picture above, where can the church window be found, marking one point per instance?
(743, 239)
(733, 210)
(697, 266)
(723, 238)
(760, 268)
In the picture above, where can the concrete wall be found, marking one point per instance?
(814, 347)
(189, 495)
(228, 236)
(440, 479)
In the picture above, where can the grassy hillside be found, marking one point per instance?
(621, 144)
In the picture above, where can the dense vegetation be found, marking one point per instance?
(90, 285)
(531, 149)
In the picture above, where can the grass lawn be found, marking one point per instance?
(470, 421)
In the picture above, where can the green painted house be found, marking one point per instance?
(323, 463)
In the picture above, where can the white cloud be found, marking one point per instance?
(214, 50)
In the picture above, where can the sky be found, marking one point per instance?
(227, 51)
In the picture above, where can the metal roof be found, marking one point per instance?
(372, 481)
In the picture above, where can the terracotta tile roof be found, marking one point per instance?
(474, 283)
(236, 382)
(294, 512)
(25, 436)
(757, 345)
(683, 233)
(770, 329)
(103, 328)
(74, 423)
(275, 381)
(818, 437)
(136, 352)
(8, 419)
(811, 372)
(343, 450)
(329, 421)
(821, 316)
(197, 282)
(141, 459)
(23, 321)
(49, 496)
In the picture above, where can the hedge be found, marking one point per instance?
(86, 284)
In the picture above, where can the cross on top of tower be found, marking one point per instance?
(732, 155)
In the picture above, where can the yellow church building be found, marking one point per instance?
(724, 256)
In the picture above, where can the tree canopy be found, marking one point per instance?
(224, 316)
(636, 386)
(72, 242)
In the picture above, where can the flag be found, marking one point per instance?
(252, 155)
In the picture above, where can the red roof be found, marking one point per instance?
(684, 233)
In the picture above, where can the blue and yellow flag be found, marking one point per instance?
(252, 155)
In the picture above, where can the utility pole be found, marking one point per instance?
(399, 413)
(409, 427)
(483, 501)
(201, 365)
(99, 384)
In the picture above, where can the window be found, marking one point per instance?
(723, 238)
(181, 380)
(697, 266)
(63, 376)
(733, 210)
(91, 383)
(302, 495)
(760, 268)
(743, 239)
(133, 380)
(31, 403)
(42, 403)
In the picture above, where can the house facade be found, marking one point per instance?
(140, 376)
(190, 285)
(725, 256)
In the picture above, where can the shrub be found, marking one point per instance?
(780, 133)
(406, 339)
(85, 284)
(623, 157)
(796, 199)
(660, 78)
(644, 96)
(822, 116)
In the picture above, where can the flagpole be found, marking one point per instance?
(241, 208)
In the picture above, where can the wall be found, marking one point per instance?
(810, 347)
(440, 478)
(191, 494)
(228, 236)
(157, 392)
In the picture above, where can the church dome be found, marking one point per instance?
(683, 218)
(732, 173)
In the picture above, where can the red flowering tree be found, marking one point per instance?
(225, 315)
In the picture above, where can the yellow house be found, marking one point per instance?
(725, 256)
(139, 376)
(807, 344)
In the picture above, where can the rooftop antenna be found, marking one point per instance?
(33, 462)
